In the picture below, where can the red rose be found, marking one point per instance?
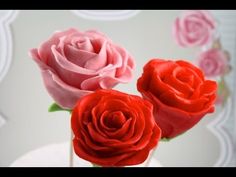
(113, 128)
(179, 92)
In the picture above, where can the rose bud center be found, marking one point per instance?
(185, 77)
(115, 119)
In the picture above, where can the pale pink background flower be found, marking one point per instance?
(219, 99)
(194, 28)
(213, 62)
(75, 63)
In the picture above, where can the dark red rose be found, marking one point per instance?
(112, 128)
(179, 92)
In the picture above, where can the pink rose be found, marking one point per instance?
(213, 62)
(194, 28)
(75, 63)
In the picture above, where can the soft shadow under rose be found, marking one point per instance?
(179, 92)
(112, 128)
(75, 63)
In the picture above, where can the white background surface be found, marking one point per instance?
(57, 155)
(147, 34)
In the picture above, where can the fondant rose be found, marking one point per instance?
(179, 92)
(112, 128)
(194, 28)
(75, 63)
(213, 62)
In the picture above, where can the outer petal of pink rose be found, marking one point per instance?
(126, 62)
(63, 94)
(126, 76)
(177, 33)
(35, 55)
(96, 81)
(91, 83)
(45, 48)
(106, 81)
(69, 72)
(114, 57)
(209, 18)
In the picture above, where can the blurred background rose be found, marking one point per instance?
(213, 62)
(194, 28)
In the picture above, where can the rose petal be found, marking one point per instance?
(205, 89)
(119, 133)
(99, 61)
(67, 65)
(174, 121)
(208, 18)
(194, 28)
(63, 94)
(157, 86)
(182, 87)
(92, 83)
(94, 146)
(208, 88)
(110, 81)
(213, 62)
(70, 73)
(77, 56)
(174, 100)
(114, 105)
(94, 34)
(100, 122)
(45, 48)
(141, 156)
(176, 30)
(35, 55)
(191, 67)
(84, 43)
(126, 60)
(97, 119)
(111, 160)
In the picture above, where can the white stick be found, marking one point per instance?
(71, 164)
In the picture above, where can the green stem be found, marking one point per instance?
(55, 107)
(95, 165)
(168, 139)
